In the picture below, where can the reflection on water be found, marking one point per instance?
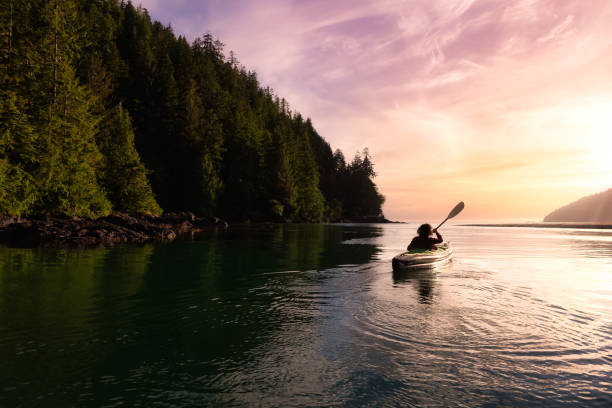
(311, 315)
(423, 280)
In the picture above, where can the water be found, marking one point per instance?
(311, 315)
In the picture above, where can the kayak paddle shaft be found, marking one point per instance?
(458, 208)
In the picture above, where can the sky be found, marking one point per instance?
(503, 104)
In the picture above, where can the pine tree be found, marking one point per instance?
(203, 146)
(285, 177)
(17, 189)
(69, 157)
(310, 199)
(67, 174)
(123, 175)
(17, 138)
(93, 94)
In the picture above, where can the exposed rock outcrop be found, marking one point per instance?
(373, 219)
(105, 231)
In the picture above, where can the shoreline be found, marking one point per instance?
(112, 230)
(119, 229)
(542, 225)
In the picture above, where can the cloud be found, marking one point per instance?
(432, 85)
(562, 30)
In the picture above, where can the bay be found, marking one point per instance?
(311, 315)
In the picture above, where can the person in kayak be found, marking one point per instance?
(424, 240)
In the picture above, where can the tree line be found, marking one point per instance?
(103, 109)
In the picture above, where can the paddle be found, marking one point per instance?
(458, 208)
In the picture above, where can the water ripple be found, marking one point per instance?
(309, 317)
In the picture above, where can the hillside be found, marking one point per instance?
(103, 110)
(594, 208)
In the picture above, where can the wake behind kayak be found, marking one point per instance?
(419, 258)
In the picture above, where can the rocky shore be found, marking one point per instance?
(105, 231)
(370, 219)
(116, 229)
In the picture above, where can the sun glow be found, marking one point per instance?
(506, 105)
(598, 137)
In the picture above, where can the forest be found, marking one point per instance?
(104, 110)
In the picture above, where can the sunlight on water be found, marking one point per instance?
(312, 315)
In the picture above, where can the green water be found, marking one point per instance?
(310, 315)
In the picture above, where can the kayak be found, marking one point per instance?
(422, 258)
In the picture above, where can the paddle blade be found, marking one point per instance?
(458, 208)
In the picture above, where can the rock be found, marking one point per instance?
(178, 217)
(120, 219)
(114, 229)
(209, 221)
(374, 219)
(8, 219)
(185, 226)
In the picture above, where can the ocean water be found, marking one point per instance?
(311, 315)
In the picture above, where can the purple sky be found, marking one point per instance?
(505, 104)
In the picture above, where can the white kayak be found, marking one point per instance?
(420, 258)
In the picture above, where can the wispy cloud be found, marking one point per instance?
(435, 86)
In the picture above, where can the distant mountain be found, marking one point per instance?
(593, 208)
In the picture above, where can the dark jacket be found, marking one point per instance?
(425, 242)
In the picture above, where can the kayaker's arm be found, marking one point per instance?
(439, 238)
(411, 245)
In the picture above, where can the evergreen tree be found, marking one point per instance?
(310, 200)
(123, 175)
(203, 146)
(68, 153)
(17, 137)
(67, 174)
(17, 189)
(285, 189)
(94, 94)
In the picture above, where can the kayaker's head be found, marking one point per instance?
(424, 230)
